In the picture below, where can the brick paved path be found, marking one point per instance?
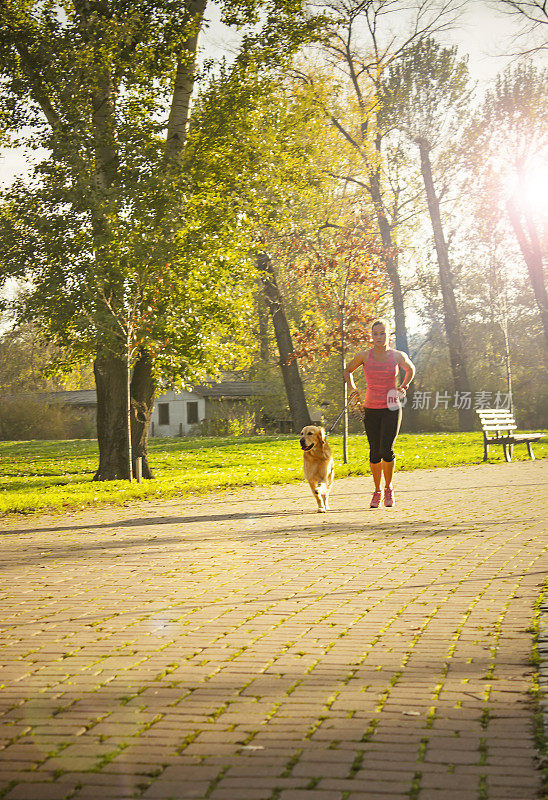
(246, 648)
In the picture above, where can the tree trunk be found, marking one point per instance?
(179, 114)
(262, 315)
(143, 387)
(530, 247)
(391, 261)
(453, 331)
(391, 264)
(344, 384)
(113, 445)
(290, 370)
(110, 382)
(129, 452)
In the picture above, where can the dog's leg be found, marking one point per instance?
(329, 486)
(320, 498)
(325, 497)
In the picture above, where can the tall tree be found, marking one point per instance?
(292, 380)
(425, 94)
(360, 46)
(508, 149)
(257, 139)
(105, 88)
(342, 269)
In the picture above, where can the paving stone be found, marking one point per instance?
(378, 796)
(163, 789)
(448, 794)
(244, 793)
(237, 643)
(106, 793)
(309, 794)
(37, 791)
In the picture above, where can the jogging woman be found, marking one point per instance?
(382, 409)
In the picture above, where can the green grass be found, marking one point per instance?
(40, 476)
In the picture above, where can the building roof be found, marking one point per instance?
(233, 389)
(77, 397)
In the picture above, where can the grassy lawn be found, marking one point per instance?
(40, 476)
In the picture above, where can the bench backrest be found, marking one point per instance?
(494, 420)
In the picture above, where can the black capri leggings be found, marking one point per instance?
(381, 426)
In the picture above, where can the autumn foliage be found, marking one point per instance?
(342, 274)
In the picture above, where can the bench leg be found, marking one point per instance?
(484, 449)
(507, 453)
(530, 451)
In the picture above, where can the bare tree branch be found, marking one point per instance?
(534, 16)
(533, 10)
(346, 179)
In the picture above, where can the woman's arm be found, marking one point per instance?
(358, 359)
(409, 368)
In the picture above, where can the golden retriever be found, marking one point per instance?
(319, 467)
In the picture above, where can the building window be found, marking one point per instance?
(192, 413)
(163, 413)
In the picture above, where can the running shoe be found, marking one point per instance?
(375, 500)
(388, 497)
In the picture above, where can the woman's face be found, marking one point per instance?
(378, 334)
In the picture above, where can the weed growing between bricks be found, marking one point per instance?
(357, 662)
(489, 676)
(357, 763)
(421, 755)
(540, 733)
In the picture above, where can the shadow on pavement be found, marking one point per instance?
(100, 550)
(142, 521)
(175, 610)
(225, 517)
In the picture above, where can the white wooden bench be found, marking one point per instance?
(499, 426)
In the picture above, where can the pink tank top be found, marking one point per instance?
(380, 378)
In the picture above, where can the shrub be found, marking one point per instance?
(31, 418)
(236, 423)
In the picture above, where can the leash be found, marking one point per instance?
(355, 412)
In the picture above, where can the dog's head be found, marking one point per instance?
(311, 435)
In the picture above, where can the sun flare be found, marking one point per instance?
(533, 188)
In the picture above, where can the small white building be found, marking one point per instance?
(177, 414)
(182, 413)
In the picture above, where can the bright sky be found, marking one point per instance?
(483, 34)
(487, 36)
